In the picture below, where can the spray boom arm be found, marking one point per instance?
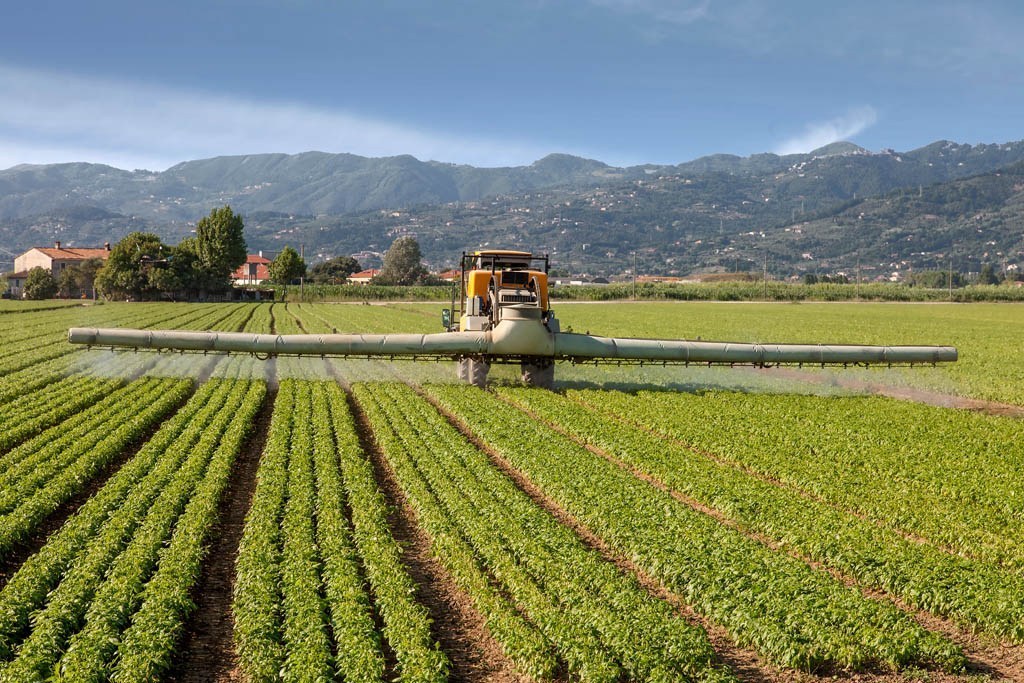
(516, 338)
(504, 316)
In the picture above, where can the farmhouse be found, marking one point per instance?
(254, 271)
(57, 258)
(450, 275)
(363, 277)
(54, 259)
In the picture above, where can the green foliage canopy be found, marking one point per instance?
(988, 275)
(335, 271)
(80, 279)
(40, 284)
(287, 267)
(935, 279)
(127, 271)
(402, 264)
(220, 245)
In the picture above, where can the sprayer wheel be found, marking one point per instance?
(539, 375)
(463, 370)
(478, 372)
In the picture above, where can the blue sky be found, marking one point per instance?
(492, 83)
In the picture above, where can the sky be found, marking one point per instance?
(501, 83)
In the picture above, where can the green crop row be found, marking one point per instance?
(49, 406)
(120, 594)
(406, 623)
(599, 620)
(45, 354)
(794, 615)
(975, 594)
(27, 372)
(83, 587)
(260, 320)
(351, 616)
(258, 585)
(148, 644)
(119, 503)
(24, 382)
(531, 651)
(300, 559)
(989, 337)
(952, 477)
(11, 307)
(31, 492)
(23, 459)
(307, 649)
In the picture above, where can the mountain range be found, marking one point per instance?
(822, 210)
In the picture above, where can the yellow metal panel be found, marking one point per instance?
(477, 282)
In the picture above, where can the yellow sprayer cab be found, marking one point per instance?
(495, 279)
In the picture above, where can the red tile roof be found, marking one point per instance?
(364, 274)
(262, 269)
(73, 254)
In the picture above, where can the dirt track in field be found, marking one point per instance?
(207, 652)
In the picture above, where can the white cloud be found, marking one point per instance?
(48, 117)
(681, 12)
(819, 134)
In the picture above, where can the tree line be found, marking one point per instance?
(141, 267)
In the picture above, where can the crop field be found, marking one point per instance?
(189, 517)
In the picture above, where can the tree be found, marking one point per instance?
(188, 269)
(40, 284)
(402, 264)
(288, 266)
(220, 245)
(988, 275)
(79, 280)
(66, 287)
(126, 273)
(85, 275)
(335, 271)
(935, 279)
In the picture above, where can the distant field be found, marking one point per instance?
(990, 338)
(190, 517)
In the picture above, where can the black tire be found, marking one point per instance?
(462, 370)
(539, 375)
(478, 370)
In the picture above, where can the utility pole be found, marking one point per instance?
(858, 277)
(950, 278)
(766, 276)
(634, 276)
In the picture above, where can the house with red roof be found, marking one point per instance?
(363, 277)
(254, 271)
(57, 258)
(54, 259)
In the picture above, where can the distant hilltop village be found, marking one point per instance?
(839, 210)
